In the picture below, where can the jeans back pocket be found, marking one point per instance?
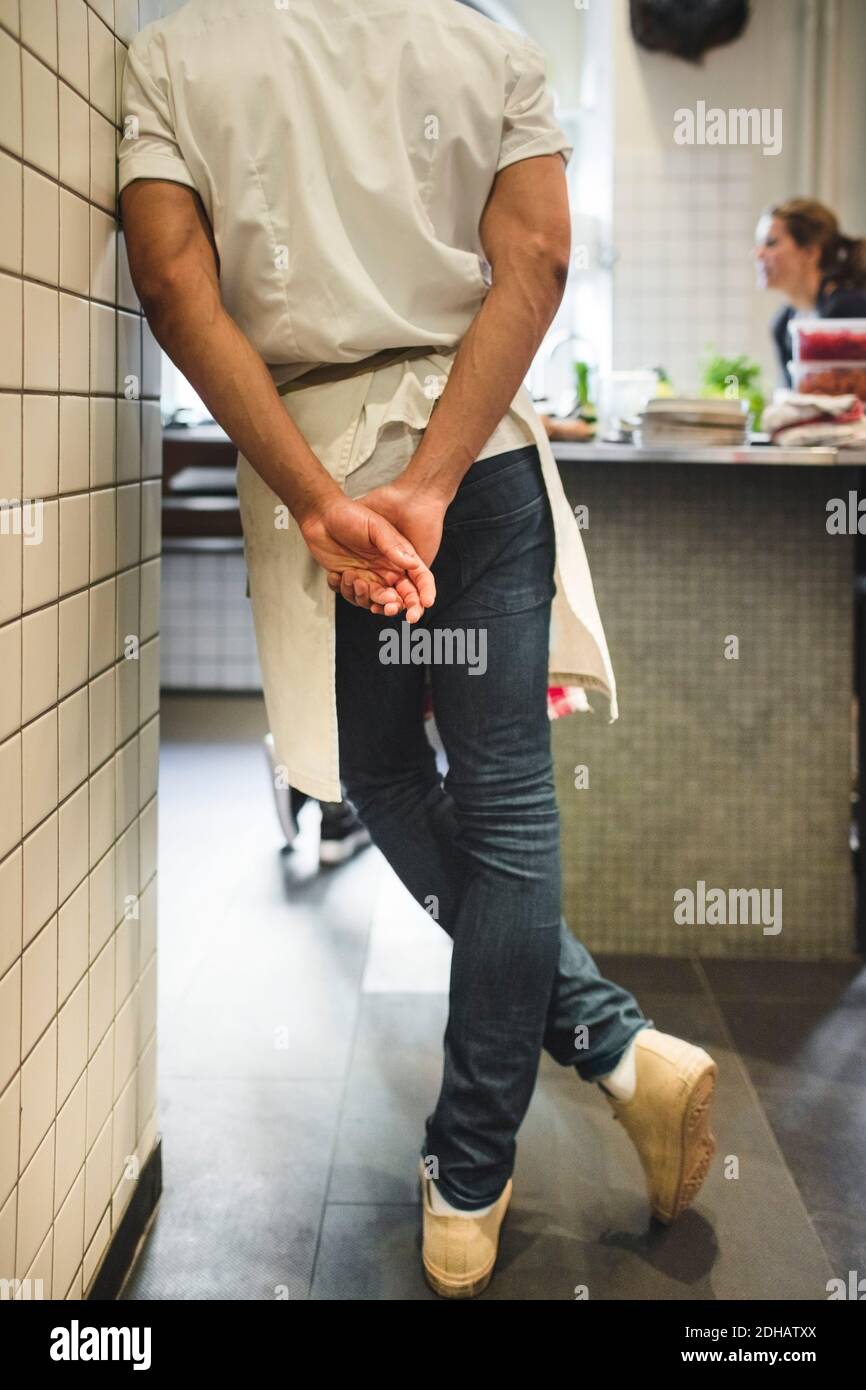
(507, 560)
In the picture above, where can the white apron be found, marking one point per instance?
(293, 607)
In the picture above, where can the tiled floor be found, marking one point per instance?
(300, 1025)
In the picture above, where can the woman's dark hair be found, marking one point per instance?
(810, 223)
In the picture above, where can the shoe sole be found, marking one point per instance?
(439, 1284)
(697, 1142)
(446, 1285)
(332, 852)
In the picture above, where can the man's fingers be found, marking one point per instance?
(398, 551)
(384, 594)
(410, 600)
(347, 586)
(364, 588)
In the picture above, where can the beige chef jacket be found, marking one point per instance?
(344, 152)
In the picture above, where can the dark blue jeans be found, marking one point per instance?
(481, 851)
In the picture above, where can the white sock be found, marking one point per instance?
(444, 1208)
(621, 1082)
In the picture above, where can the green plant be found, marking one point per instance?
(735, 378)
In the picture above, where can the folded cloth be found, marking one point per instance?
(789, 406)
(797, 418)
(815, 435)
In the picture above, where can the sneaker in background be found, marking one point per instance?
(343, 834)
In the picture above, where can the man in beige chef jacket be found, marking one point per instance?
(348, 225)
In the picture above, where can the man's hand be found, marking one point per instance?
(366, 556)
(416, 515)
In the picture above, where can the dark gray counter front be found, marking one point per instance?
(732, 773)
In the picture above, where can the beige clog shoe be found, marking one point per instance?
(459, 1252)
(668, 1119)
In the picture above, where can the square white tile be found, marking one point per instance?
(74, 640)
(74, 543)
(72, 44)
(73, 734)
(74, 142)
(41, 337)
(72, 1040)
(40, 115)
(41, 446)
(74, 444)
(74, 836)
(41, 227)
(39, 662)
(35, 1193)
(39, 769)
(42, 556)
(10, 686)
(11, 195)
(38, 1092)
(73, 929)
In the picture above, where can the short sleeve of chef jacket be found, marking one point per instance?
(149, 148)
(529, 127)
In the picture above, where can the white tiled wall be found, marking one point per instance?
(207, 639)
(684, 280)
(78, 653)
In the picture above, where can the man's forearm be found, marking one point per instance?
(490, 365)
(190, 323)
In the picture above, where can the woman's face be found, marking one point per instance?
(780, 264)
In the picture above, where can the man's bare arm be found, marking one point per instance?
(526, 234)
(174, 266)
(173, 260)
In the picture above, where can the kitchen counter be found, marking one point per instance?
(749, 453)
(730, 615)
(205, 437)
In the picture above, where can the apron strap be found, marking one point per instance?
(339, 371)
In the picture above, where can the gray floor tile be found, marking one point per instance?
(663, 974)
(793, 1042)
(786, 979)
(371, 1253)
(392, 1085)
(279, 991)
(245, 1168)
(844, 1239)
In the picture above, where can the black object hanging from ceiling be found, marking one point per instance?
(687, 28)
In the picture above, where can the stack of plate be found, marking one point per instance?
(683, 422)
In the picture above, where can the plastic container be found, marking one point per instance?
(621, 397)
(828, 340)
(829, 378)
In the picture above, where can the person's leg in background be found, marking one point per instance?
(342, 832)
